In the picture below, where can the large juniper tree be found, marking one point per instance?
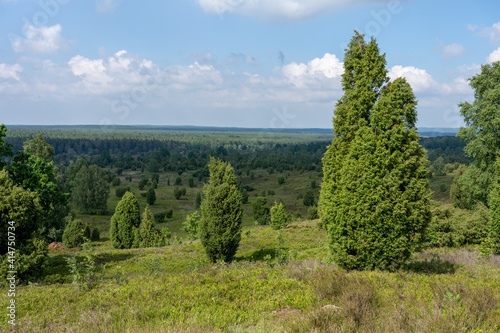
(125, 221)
(374, 197)
(221, 213)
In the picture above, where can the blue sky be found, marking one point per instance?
(244, 63)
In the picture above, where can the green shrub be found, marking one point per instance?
(142, 183)
(147, 235)
(74, 234)
(151, 196)
(454, 227)
(279, 218)
(116, 181)
(309, 198)
(95, 235)
(260, 212)
(84, 272)
(281, 180)
(121, 191)
(190, 225)
(312, 213)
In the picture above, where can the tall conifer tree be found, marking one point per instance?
(375, 196)
(221, 213)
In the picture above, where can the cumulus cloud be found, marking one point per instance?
(286, 9)
(418, 78)
(111, 74)
(494, 56)
(41, 39)
(449, 50)
(10, 72)
(301, 74)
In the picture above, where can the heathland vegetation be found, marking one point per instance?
(370, 228)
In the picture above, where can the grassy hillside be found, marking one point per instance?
(175, 289)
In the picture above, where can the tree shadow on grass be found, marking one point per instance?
(434, 266)
(258, 255)
(57, 270)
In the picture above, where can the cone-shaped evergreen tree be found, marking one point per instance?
(124, 222)
(375, 195)
(494, 201)
(279, 218)
(221, 213)
(147, 235)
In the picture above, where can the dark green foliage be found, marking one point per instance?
(244, 197)
(31, 259)
(35, 174)
(375, 198)
(313, 184)
(260, 212)
(155, 177)
(91, 191)
(221, 213)
(5, 148)
(75, 233)
(124, 222)
(191, 182)
(270, 192)
(279, 218)
(154, 184)
(178, 181)
(121, 191)
(142, 183)
(87, 232)
(159, 217)
(169, 213)
(95, 235)
(147, 235)
(20, 206)
(151, 196)
(20, 213)
(494, 218)
(179, 192)
(197, 201)
(312, 213)
(115, 181)
(309, 199)
(281, 180)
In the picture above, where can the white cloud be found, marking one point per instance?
(418, 78)
(91, 70)
(449, 50)
(493, 32)
(494, 56)
(40, 39)
(287, 9)
(106, 6)
(10, 72)
(301, 74)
